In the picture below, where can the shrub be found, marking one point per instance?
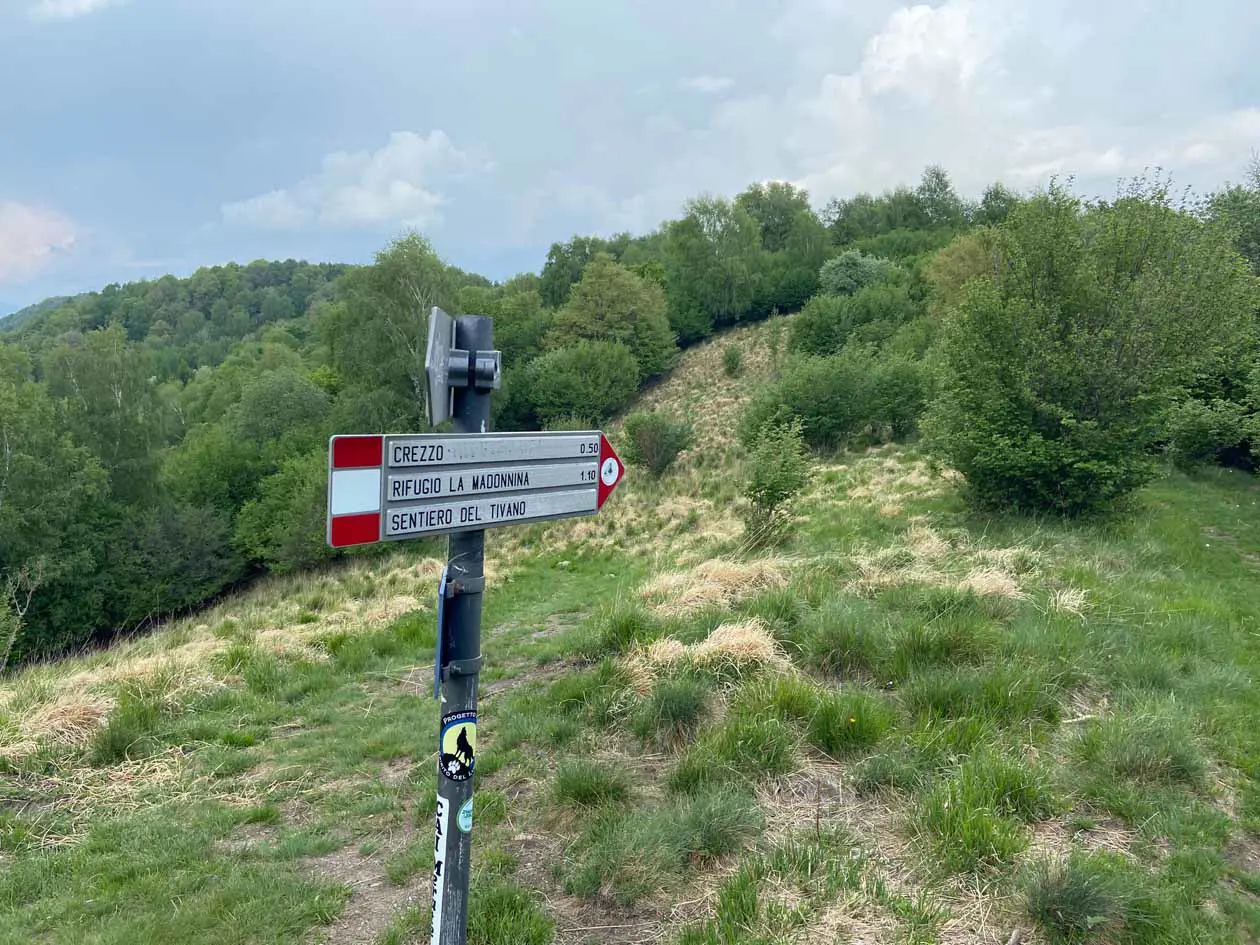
(898, 396)
(852, 395)
(595, 378)
(826, 396)
(1199, 432)
(654, 439)
(778, 471)
(732, 360)
(1055, 373)
(852, 271)
(611, 303)
(827, 322)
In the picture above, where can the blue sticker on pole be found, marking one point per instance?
(465, 816)
(441, 632)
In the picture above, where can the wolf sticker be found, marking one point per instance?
(458, 745)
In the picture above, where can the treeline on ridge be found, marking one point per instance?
(164, 440)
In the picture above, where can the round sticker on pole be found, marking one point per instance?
(611, 469)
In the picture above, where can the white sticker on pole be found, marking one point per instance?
(439, 865)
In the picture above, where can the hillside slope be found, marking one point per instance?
(907, 724)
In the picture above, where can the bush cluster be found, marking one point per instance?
(654, 440)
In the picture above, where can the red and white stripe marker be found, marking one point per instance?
(354, 490)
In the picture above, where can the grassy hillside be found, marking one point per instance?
(907, 724)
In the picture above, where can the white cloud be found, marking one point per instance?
(706, 84)
(28, 239)
(393, 185)
(67, 9)
(1011, 90)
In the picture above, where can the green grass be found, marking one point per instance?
(742, 748)
(627, 854)
(973, 821)
(504, 912)
(849, 721)
(1004, 695)
(1142, 747)
(584, 783)
(673, 711)
(973, 717)
(1088, 897)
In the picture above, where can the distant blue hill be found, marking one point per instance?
(23, 315)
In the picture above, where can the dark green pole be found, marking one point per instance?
(459, 665)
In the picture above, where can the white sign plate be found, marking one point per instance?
(413, 521)
(455, 449)
(441, 483)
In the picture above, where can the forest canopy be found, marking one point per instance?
(162, 441)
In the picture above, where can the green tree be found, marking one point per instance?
(51, 492)
(105, 398)
(1056, 371)
(566, 262)
(283, 409)
(610, 303)
(853, 270)
(1238, 208)
(996, 205)
(775, 206)
(939, 202)
(284, 527)
(712, 258)
(592, 380)
(377, 334)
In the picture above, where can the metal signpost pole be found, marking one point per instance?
(395, 487)
(460, 663)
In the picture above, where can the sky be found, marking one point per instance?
(139, 137)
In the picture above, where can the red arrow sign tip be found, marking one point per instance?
(611, 469)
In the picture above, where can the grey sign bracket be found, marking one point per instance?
(449, 368)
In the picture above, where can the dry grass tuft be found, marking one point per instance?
(739, 646)
(854, 920)
(394, 608)
(1070, 600)
(82, 795)
(699, 388)
(1055, 839)
(70, 720)
(926, 543)
(745, 643)
(991, 582)
(715, 582)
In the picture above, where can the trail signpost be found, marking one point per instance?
(385, 487)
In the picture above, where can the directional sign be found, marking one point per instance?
(388, 488)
